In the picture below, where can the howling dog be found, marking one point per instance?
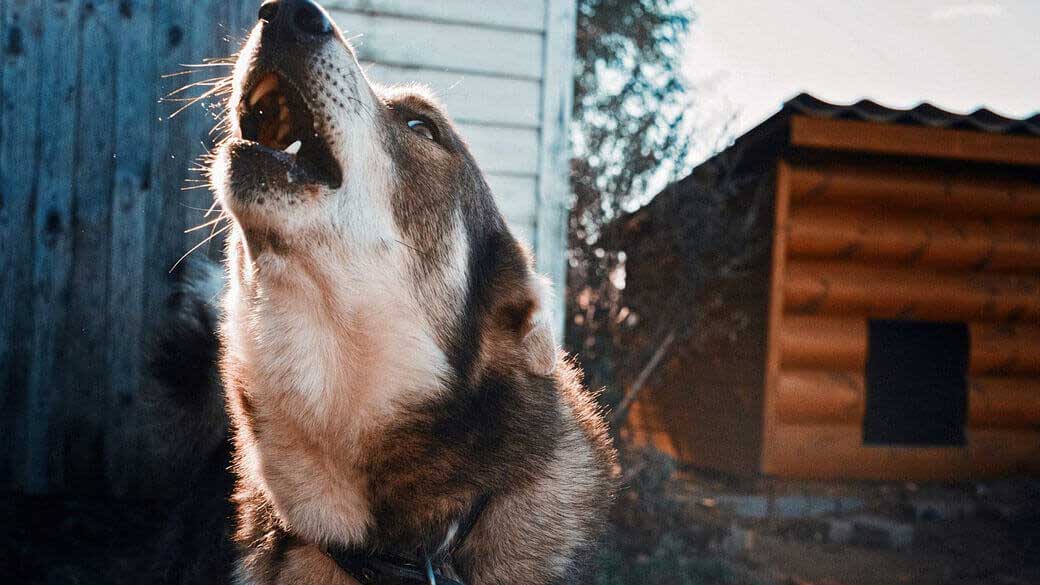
(399, 412)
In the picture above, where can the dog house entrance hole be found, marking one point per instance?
(917, 388)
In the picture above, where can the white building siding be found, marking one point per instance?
(494, 63)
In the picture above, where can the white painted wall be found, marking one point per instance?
(504, 69)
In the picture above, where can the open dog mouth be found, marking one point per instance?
(274, 117)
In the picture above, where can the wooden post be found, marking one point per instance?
(43, 466)
(776, 316)
(131, 193)
(19, 129)
(85, 337)
(554, 167)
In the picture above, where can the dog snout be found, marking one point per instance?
(299, 20)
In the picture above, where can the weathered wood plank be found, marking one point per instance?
(241, 22)
(3, 36)
(170, 160)
(473, 98)
(18, 127)
(86, 335)
(7, 426)
(517, 197)
(503, 150)
(208, 41)
(517, 200)
(453, 47)
(52, 255)
(527, 15)
(203, 37)
(134, 121)
(240, 19)
(554, 148)
(523, 231)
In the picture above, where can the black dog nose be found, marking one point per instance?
(302, 17)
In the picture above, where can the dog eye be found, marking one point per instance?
(422, 128)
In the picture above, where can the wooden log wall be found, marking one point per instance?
(92, 216)
(863, 240)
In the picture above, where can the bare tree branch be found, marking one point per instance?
(621, 412)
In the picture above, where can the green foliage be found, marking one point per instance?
(630, 99)
(630, 133)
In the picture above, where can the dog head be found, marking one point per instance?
(346, 195)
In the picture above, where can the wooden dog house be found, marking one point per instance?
(893, 324)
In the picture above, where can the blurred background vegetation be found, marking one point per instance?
(631, 135)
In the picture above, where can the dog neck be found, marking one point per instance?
(321, 362)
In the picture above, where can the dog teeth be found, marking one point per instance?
(266, 86)
(294, 148)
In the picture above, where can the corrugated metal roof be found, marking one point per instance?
(926, 114)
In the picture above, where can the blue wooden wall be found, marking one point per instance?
(92, 216)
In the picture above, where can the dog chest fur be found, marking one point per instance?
(325, 364)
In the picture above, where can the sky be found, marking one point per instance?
(746, 57)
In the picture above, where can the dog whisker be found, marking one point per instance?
(199, 245)
(193, 101)
(212, 82)
(196, 69)
(216, 203)
(195, 187)
(205, 225)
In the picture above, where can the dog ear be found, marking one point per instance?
(536, 335)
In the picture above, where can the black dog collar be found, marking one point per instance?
(387, 569)
(371, 569)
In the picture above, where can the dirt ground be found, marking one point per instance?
(953, 554)
(91, 541)
(996, 541)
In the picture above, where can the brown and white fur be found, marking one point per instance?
(386, 349)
